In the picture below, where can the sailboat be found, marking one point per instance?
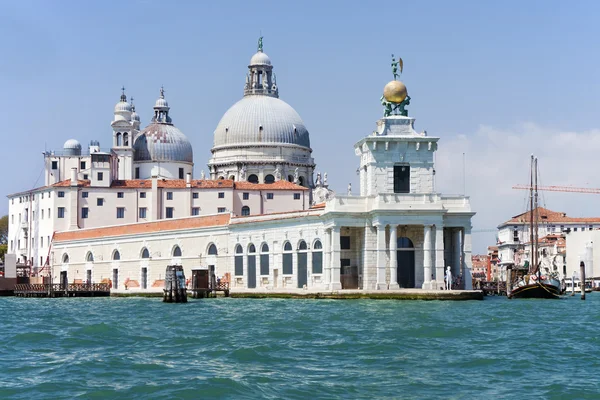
(532, 283)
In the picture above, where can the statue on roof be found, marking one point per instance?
(277, 174)
(396, 65)
(260, 44)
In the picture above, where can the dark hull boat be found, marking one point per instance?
(536, 291)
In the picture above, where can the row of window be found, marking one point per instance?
(287, 267)
(143, 211)
(145, 253)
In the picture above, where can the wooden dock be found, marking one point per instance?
(59, 290)
(200, 293)
(491, 288)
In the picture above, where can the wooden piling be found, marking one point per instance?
(582, 278)
(573, 285)
(509, 281)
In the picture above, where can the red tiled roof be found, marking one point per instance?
(195, 183)
(67, 183)
(320, 205)
(144, 227)
(545, 215)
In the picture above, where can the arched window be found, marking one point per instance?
(239, 261)
(245, 210)
(177, 251)
(232, 178)
(89, 257)
(116, 255)
(125, 139)
(302, 260)
(65, 258)
(251, 248)
(301, 181)
(317, 258)
(118, 139)
(212, 250)
(264, 259)
(302, 245)
(251, 266)
(145, 253)
(290, 178)
(288, 268)
(269, 179)
(253, 179)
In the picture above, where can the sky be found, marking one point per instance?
(496, 81)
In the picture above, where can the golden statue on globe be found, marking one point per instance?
(395, 95)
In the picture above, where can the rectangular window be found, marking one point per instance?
(61, 212)
(54, 164)
(119, 195)
(84, 212)
(180, 173)
(120, 212)
(142, 195)
(195, 210)
(49, 213)
(269, 196)
(137, 172)
(195, 195)
(245, 196)
(288, 268)
(12, 219)
(296, 196)
(100, 176)
(221, 195)
(591, 227)
(574, 229)
(82, 165)
(345, 242)
(41, 241)
(84, 194)
(85, 177)
(42, 195)
(169, 212)
(142, 212)
(99, 202)
(61, 194)
(169, 195)
(144, 278)
(401, 179)
(221, 209)
(239, 266)
(317, 262)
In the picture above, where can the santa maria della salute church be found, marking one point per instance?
(260, 217)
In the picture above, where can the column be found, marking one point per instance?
(427, 257)
(369, 263)
(439, 257)
(326, 258)
(457, 252)
(381, 283)
(467, 262)
(335, 258)
(394, 257)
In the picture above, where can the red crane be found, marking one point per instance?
(559, 189)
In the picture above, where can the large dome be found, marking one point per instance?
(162, 142)
(261, 119)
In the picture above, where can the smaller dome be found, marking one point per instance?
(260, 58)
(72, 147)
(395, 91)
(123, 106)
(161, 102)
(135, 116)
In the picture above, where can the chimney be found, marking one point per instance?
(188, 180)
(73, 176)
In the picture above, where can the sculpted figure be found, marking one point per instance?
(296, 176)
(318, 182)
(202, 176)
(448, 278)
(325, 179)
(277, 173)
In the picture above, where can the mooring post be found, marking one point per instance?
(573, 285)
(509, 281)
(582, 277)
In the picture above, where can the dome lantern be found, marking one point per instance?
(260, 79)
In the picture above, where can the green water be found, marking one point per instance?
(297, 349)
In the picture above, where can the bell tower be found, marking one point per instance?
(124, 130)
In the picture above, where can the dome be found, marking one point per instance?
(161, 103)
(135, 116)
(261, 119)
(395, 91)
(162, 142)
(260, 58)
(123, 106)
(72, 147)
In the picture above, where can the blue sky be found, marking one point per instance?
(496, 80)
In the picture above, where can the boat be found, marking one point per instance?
(532, 284)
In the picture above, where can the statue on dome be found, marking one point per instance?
(318, 182)
(325, 179)
(243, 173)
(277, 173)
(247, 85)
(350, 189)
(202, 176)
(296, 176)
(260, 44)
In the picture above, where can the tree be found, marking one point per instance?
(3, 249)
(4, 230)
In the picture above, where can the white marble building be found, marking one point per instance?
(248, 221)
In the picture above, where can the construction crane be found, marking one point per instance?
(559, 189)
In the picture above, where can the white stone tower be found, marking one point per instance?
(124, 130)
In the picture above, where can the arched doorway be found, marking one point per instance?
(406, 263)
(302, 264)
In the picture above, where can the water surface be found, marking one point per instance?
(246, 348)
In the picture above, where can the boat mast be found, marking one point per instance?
(531, 260)
(535, 215)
